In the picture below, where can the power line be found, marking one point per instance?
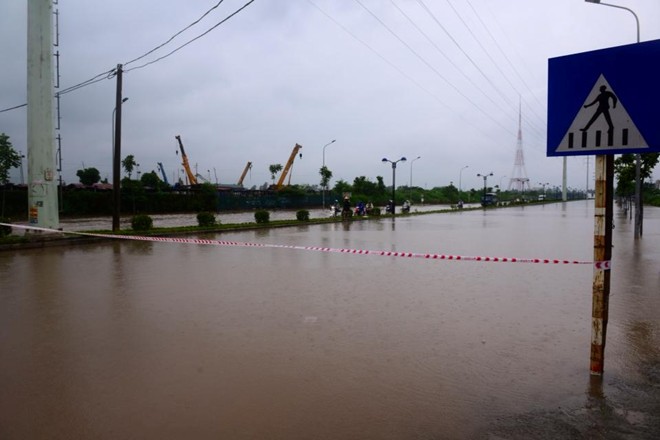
(456, 43)
(499, 47)
(100, 77)
(510, 45)
(404, 74)
(446, 57)
(112, 72)
(13, 108)
(431, 67)
(497, 66)
(194, 39)
(175, 35)
(395, 67)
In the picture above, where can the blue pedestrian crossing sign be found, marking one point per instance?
(605, 101)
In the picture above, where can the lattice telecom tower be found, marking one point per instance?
(519, 177)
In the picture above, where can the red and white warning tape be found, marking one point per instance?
(598, 265)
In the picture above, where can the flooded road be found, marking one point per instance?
(141, 340)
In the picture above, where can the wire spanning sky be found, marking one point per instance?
(243, 80)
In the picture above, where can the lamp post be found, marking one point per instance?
(638, 157)
(410, 186)
(501, 182)
(485, 176)
(460, 175)
(21, 156)
(323, 167)
(394, 162)
(116, 153)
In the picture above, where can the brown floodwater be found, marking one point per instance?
(144, 340)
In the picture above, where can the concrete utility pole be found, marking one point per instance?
(43, 209)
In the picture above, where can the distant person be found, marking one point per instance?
(603, 100)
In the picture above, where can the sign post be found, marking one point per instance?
(604, 102)
(603, 222)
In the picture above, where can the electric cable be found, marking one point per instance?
(456, 43)
(192, 40)
(508, 60)
(446, 57)
(497, 66)
(108, 74)
(433, 68)
(175, 35)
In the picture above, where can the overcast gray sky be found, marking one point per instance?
(440, 79)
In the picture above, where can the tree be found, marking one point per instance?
(151, 180)
(9, 158)
(129, 164)
(624, 168)
(326, 175)
(380, 184)
(274, 169)
(362, 185)
(88, 176)
(342, 187)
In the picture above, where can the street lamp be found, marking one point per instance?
(116, 153)
(485, 176)
(460, 175)
(410, 186)
(543, 185)
(501, 182)
(20, 158)
(598, 2)
(323, 167)
(638, 157)
(114, 111)
(403, 159)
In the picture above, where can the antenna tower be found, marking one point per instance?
(519, 178)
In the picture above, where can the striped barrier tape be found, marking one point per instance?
(598, 265)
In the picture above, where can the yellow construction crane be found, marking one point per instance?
(288, 166)
(186, 166)
(247, 167)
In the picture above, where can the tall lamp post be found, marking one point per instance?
(501, 182)
(460, 177)
(323, 167)
(21, 157)
(638, 157)
(410, 186)
(485, 176)
(116, 153)
(394, 162)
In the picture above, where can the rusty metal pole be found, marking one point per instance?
(603, 222)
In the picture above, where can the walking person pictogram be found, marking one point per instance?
(603, 100)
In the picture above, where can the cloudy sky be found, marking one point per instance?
(438, 79)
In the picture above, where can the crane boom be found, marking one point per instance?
(288, 166)
(162, 171)
(247, 167)
(186, 166)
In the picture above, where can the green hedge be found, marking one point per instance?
(262, 216)
(141, 222)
